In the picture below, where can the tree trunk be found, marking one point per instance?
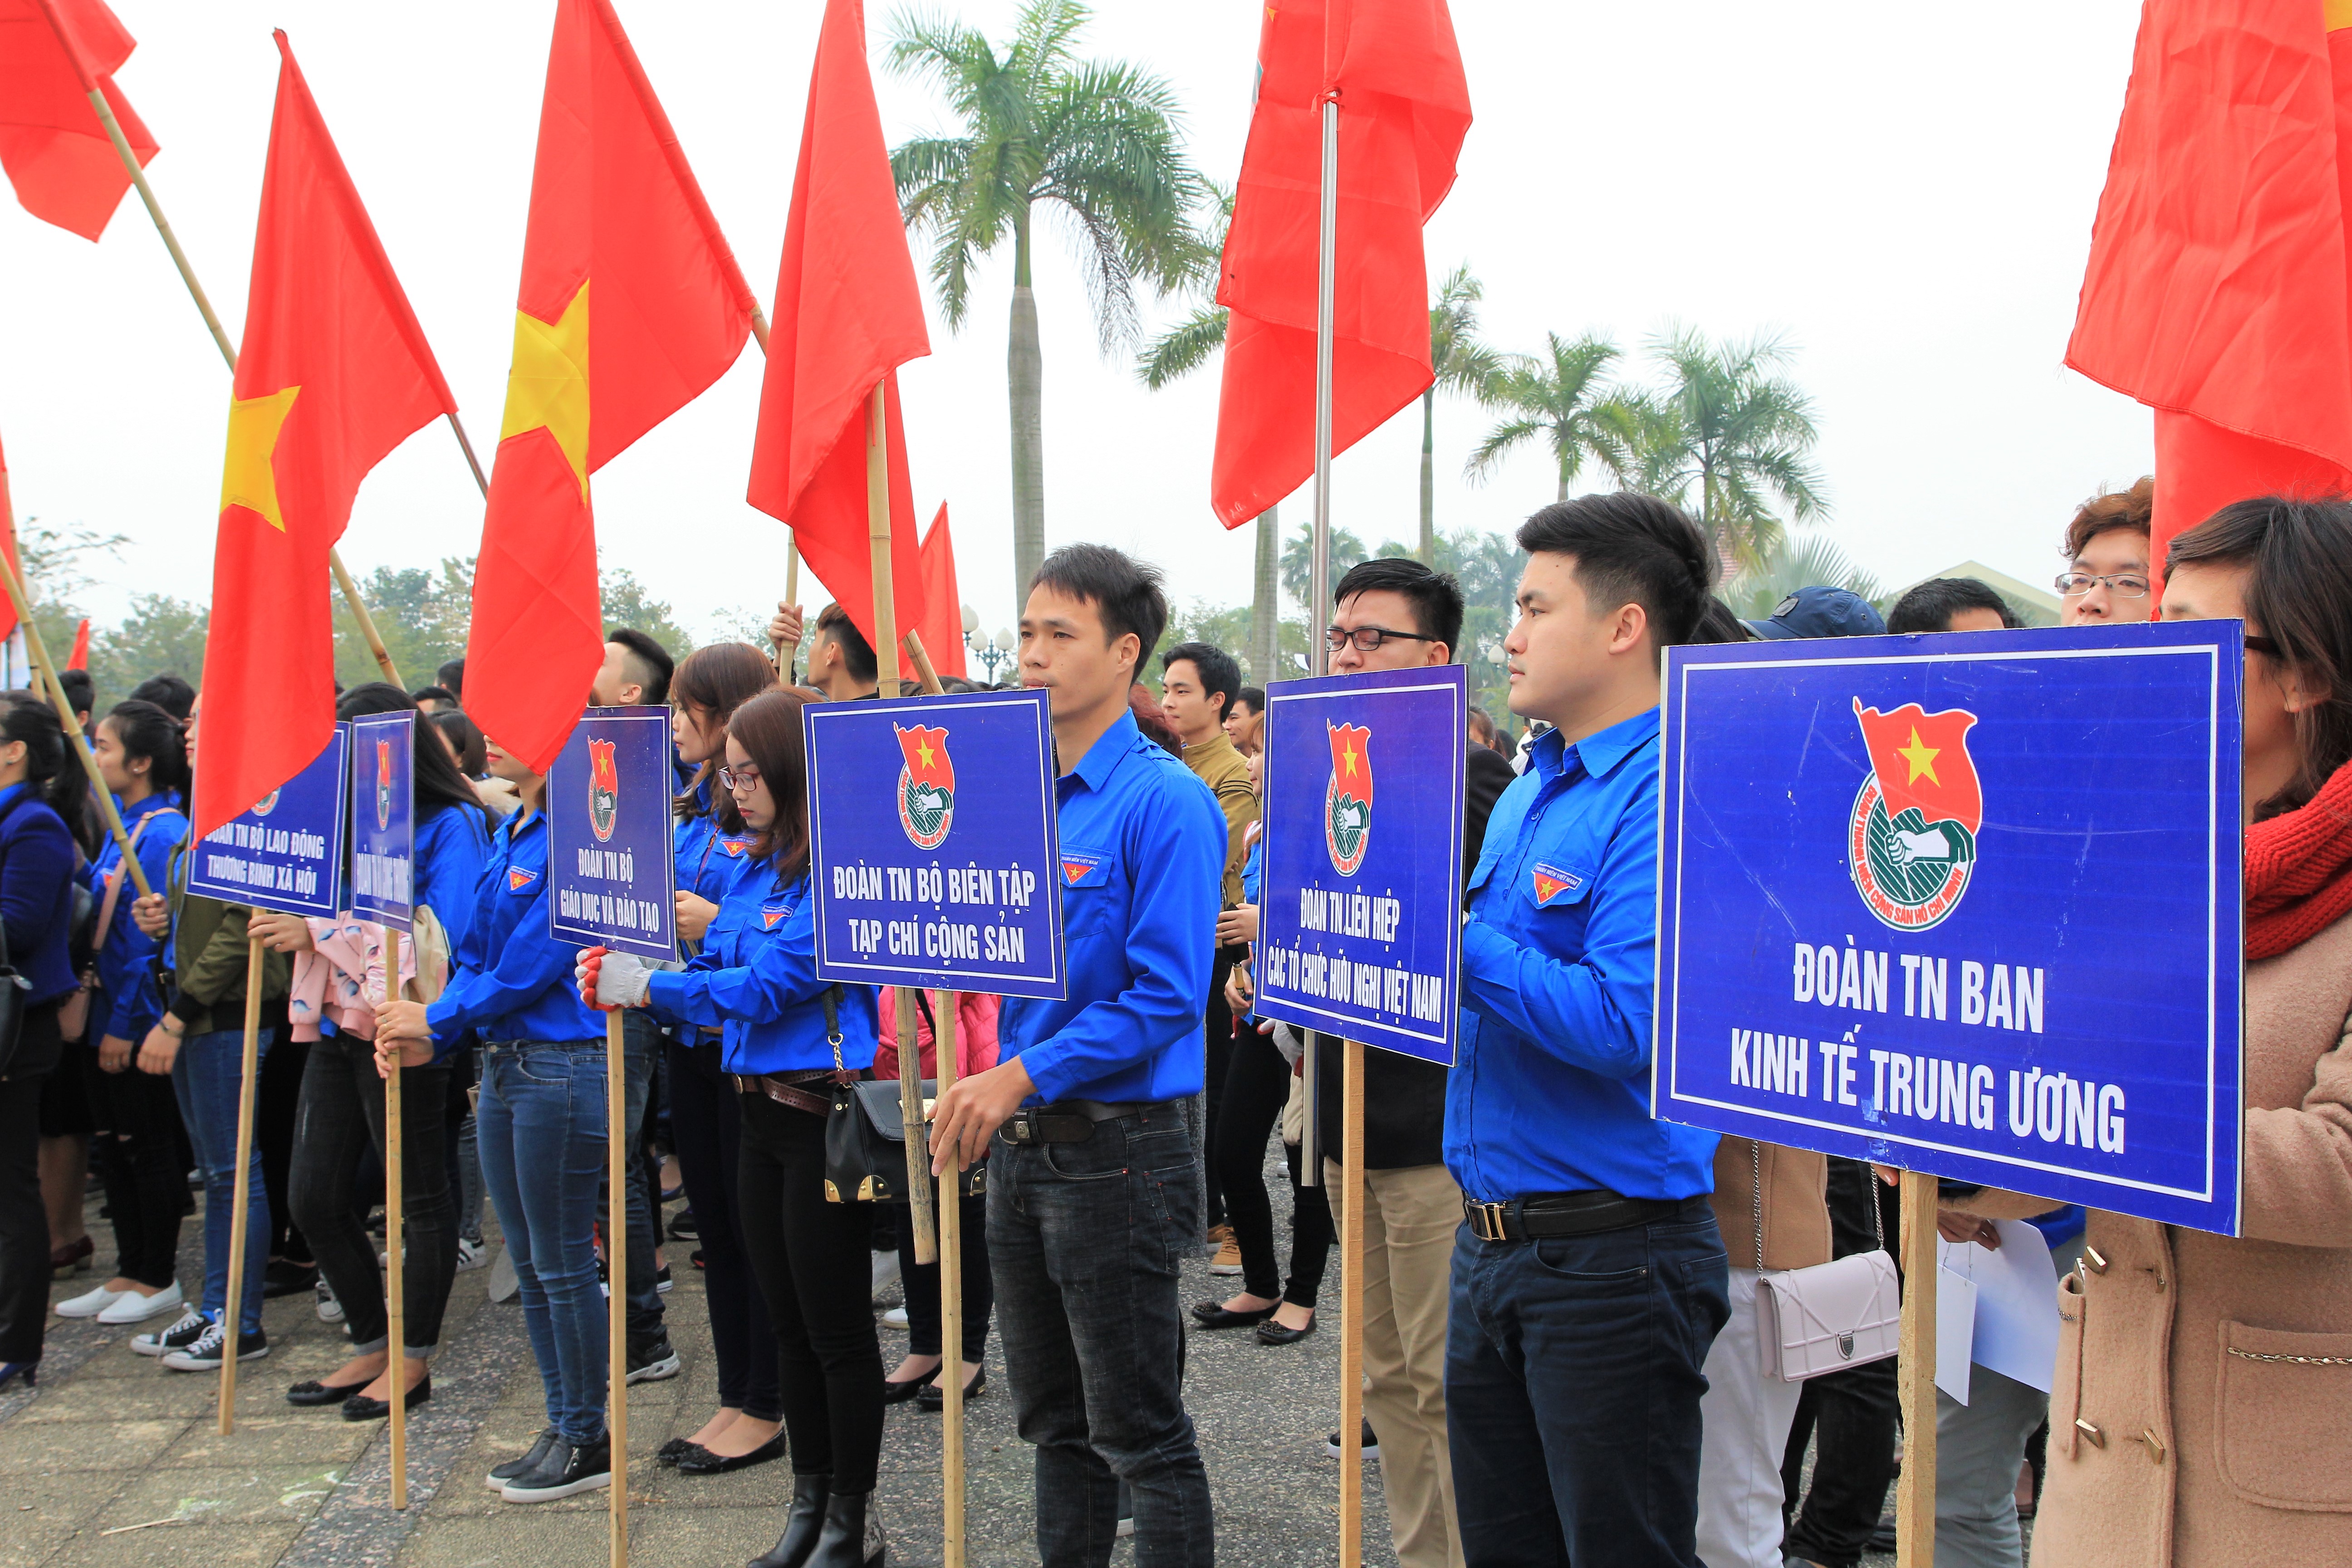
(1428, 552)
(1024, 377)
(1266, 600)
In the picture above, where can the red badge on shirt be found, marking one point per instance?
(1550, 881)
(518, 879)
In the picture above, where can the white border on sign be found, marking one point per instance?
(637, 713)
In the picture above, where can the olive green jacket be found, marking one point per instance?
(210, 956)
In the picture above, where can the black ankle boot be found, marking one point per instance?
(802, 1525)
(853, 1533)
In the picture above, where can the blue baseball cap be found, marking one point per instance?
(1820, 612)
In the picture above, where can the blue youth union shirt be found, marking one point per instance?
(1142, 872)
(755, 980)
(1552, 1093)
(510, 978)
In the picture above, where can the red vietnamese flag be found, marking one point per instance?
(942, 624)
(1922, 759)
(631, 305)
(8, 544)
(334, 374)
(1405, 108)
(2218, 289)
(79, 657)
(847, 314)
(1351, 761)
(926, 753)
(53, 53)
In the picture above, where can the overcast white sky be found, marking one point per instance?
(1905, 193)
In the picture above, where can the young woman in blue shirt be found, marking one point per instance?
(785, 1036)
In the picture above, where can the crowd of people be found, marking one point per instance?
(1560, 1337)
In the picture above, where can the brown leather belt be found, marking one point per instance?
(797, 1089)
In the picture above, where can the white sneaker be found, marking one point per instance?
(91, 1304)
(329, 1309)
(886, 1271)
(896, 1317)
(131, 1307)
(471, 1253)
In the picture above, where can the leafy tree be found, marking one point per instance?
(1463, 364)
(1097, 139)
(1486, 564)
(628, 604)
(1347, 553)
(1560, 399)
(161, 635)
(421, 615)
(1791, 564)
(1727, 439)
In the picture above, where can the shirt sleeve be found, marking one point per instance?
(524, 970)
(38, 864)
(781, 974)
(449, 867)
(1593, 1012)
(1177, 873)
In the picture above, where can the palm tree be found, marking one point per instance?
(1463, 364)
(1726, 438)
(1097, 138)
(1347, 553)
(1560, 399)
(1788, 565)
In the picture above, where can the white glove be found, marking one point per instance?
(620, 978)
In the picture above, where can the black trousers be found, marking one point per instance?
(922, 1281)
(277, 1101)
(1851, 1413)
(814, 1260)
(23, 1220)
(1257, 1086)
(706, 1123)
(1217, 1023)
(142, 1164)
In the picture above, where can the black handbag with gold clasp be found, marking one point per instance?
(865, 1133)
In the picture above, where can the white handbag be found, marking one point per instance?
(1830, 1316)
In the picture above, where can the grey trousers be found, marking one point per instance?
(1980, 1447)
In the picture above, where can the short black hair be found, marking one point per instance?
(1435, 596)
(1219, 671)
(1930, 606)
(1630, 549)
(1251, 698)
(1126, 593)
(856, 653)
(1717, 623)
(451, 677)
(434, 694)
(653, 662)
(81, 691)
(168, 692)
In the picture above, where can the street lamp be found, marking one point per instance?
(991, 654)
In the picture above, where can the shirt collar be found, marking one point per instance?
(1601, 750)
(1111, 748)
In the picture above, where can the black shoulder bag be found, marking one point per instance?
(865, 1133)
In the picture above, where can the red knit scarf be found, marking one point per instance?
(2299, 870)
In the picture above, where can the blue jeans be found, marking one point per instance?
(1083, 1243)
(540, 1130)
(205, 1075)
(1572, 1385)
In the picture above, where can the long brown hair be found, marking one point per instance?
(768, 728)
(2299, 595)
(716, 680)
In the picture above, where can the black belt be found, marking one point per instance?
(801, 1091)
(1565, 1213)
(1065, 1121)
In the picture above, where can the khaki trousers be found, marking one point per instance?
(1409, 1225)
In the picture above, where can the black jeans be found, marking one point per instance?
(1257, 1086)
(1217, 1029)
(276, 1103)
(1853, 1412)
(343, 1107)
(921, 1282)
(143, 1166)
(641, 1049)
(1572, 1384)
(814, 1264)
(1085, 1240)
(23, 1220)
(706, 1123)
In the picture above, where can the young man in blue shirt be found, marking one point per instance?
(1091, 1195)
(1589, 1277)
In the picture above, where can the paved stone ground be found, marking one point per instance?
(114, 1460)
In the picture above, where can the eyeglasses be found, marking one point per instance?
(739, 778)
(2261, 645)
(1367, 638)
(2123, 584)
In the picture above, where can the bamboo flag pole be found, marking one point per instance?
(1915, 1497)
(793, 542)
(1327, 267)
(943, 1039)
(233, 1310)
(395, 1236)
(616, 1271)
(920, 1216)
(921, 659)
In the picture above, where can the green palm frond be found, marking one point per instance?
(1182, 348)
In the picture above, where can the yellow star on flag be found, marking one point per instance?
(1348, 752)
(923, 750)
(1922, 759)
(249, 478)
(549, 381)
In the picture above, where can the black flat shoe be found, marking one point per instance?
(1213, 1315)
(1273, 1333)
(677, 1449)
(314, 1394)
(359, 1408)
(703, 1462)
(936, 1397)
(896, 1393)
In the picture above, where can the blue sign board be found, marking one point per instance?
(383, 817)
(1967, 903)
(933, 844)
(287, 853)
(608, 833)
(1359, 914)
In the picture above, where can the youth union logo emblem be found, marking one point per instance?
(926, 785)
(604, 789)
(383, 786)
(1347, 799)
(266, 804)
(1912, 839)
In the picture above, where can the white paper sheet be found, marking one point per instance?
(1955, 1317)
(2016, 1324)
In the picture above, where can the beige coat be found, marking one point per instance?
(1796, 1204)
(2202, 1413)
